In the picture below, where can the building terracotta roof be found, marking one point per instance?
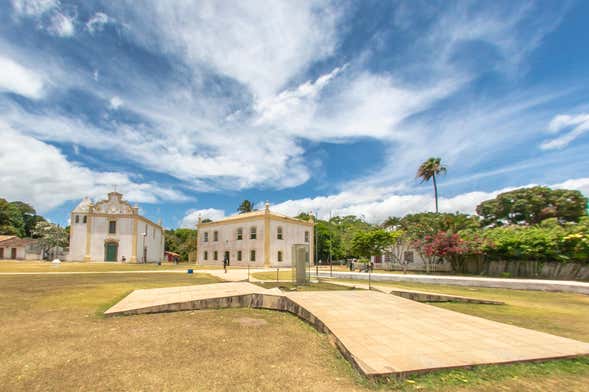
(14, 242)
(6, 237)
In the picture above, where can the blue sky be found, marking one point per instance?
(330, 106)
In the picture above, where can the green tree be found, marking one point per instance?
(533, 205)
(18, 218)
(419, 225)
(181, 241)
(245, 206)
(399, 244)
(50, 236)
(429, 170)
(346, 228)
(370, 243)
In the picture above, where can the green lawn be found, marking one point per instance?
(54, 338)
(268, 276)
(73, 266)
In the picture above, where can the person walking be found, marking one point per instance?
(225, 263)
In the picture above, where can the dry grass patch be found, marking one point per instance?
(74, 266)
(54, 339)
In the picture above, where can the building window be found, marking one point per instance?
(205, 237)
(77, 219)
(252, 255)
(408, 256)
(238, 255)
(85, 219)
(205, 255)
(215, 236)
(253, 233)
(279, 255)
(112, 227)
(239, 234)
(306, 236)
(279, 233)
(215, 255)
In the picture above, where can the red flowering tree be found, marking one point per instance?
(451, 247)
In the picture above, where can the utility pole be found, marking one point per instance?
(316, 238)
(330, 240)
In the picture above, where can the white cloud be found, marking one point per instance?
(376, 204)
(578, 123)
(191, 218)
(115, 102)
(61, 25)
(20, 80)
(258, 43)
(97, 22)
(46, 179)
(33, 7)
(249, 130)
(580, 184)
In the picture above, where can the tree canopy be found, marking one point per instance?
(428, 170)
(181, 241)
(245, 206)
(373, 242)
(18, 218)
(532, 205)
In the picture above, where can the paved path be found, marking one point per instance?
(379, 333)
(232, 275)
(471, 281)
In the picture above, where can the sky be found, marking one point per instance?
(190, 107)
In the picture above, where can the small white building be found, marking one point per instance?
(411, 260)
(15, 248)
(113, 230)
(258, 238)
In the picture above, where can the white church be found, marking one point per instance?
(113, 230)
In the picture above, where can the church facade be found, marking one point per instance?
(259, 239)
(113, 230)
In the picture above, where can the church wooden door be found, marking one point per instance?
(110, 250)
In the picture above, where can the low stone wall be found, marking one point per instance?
(528, 269)
(421, 296)
(470, 281)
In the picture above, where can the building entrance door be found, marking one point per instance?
(13, 253)
(1, 253)
(110, 251)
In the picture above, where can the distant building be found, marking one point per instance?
(113, 230)
(411, 260)
(258, 238)
(15, 248)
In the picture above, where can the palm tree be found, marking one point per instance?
(429, 169)
(245, 206)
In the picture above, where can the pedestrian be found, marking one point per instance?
(352, 265)
(225, 263)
